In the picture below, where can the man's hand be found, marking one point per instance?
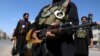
(35, 40)
(14, 41)
(91, 43)
(54, 29)
(91, 46)
(13, 38)
(49, 34)
(34, 35)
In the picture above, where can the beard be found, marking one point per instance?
(26, 19)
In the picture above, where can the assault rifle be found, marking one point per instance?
(57, 28)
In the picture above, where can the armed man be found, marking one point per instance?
(20, 32)
(82, 38)
(57, 43)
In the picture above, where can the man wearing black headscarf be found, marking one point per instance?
(60, 44)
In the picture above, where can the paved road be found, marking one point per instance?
(5, 48)
(6, 45)
(94, 52)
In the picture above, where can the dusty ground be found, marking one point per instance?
(6, 45)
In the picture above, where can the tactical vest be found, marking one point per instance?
(48, 17)
(23, 27)
(81, 33)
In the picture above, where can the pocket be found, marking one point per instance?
(29, 46)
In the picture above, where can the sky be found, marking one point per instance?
(11, 11)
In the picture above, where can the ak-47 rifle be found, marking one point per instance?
(54, 29)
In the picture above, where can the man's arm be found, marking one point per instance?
(72, 16)
(91, 38)
(15, 34)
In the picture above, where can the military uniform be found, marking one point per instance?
(62, 44)
(82, 40)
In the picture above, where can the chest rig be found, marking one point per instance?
(23, 26)
(54, 13)
(81, 33)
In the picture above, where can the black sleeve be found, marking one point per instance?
(29, 24)
(72, 17)
(34, 26)
(73, 14)
(16, 29)
(90, 33)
